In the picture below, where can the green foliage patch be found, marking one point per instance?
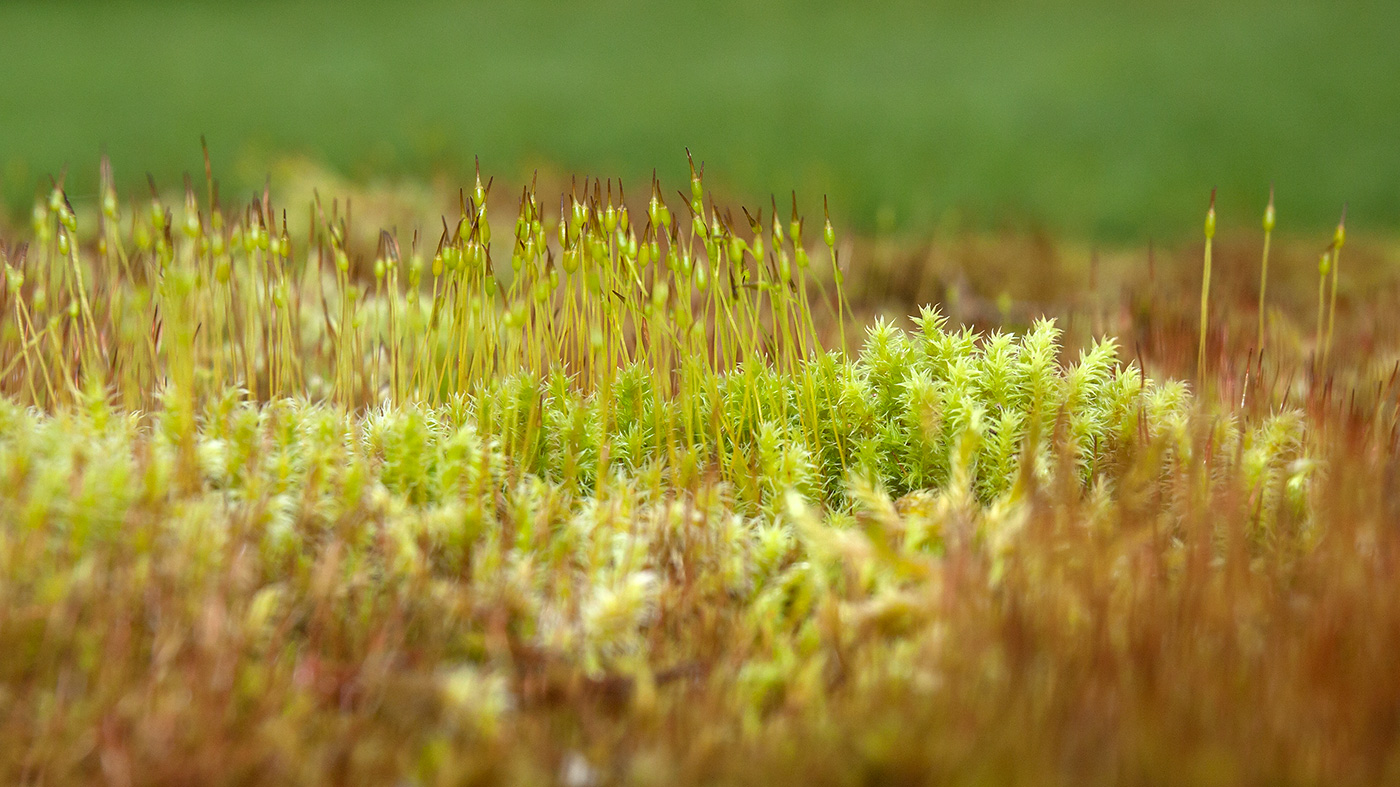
(272, 511)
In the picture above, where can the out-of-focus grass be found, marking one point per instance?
(1111, 119)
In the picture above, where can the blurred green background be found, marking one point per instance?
(1103, 119)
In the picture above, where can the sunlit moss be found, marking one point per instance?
(532, 523)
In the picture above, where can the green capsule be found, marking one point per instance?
(702, 276)
(829, 234)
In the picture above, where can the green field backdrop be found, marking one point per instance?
(1110, 120)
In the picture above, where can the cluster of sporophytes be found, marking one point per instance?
(269, 512)
(1326, 310)
(685, 350)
